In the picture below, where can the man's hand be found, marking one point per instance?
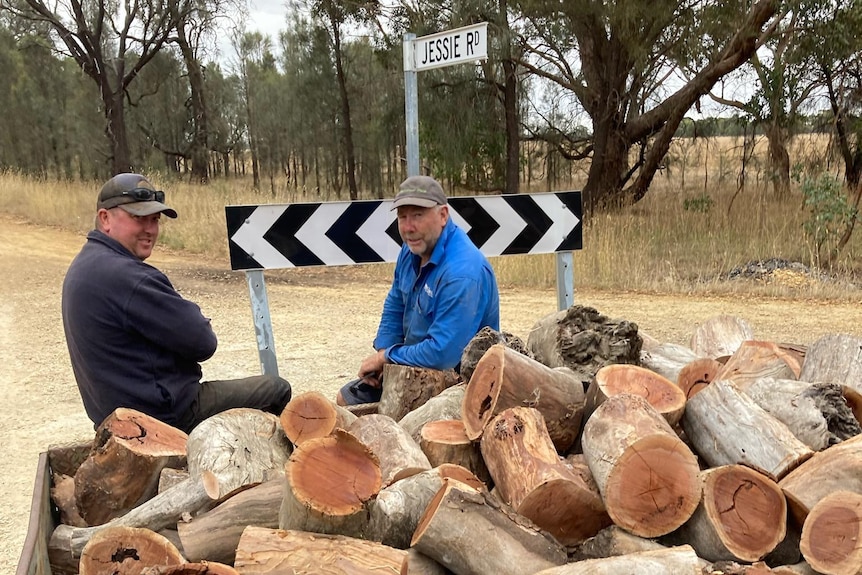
(372, 368)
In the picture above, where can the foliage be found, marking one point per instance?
(828, 213)
(701, 204)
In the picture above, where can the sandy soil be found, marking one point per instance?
(323, 320)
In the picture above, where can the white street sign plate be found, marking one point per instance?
(456, 46)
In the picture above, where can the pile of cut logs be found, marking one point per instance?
(590, 448)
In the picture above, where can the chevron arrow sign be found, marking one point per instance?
(273, 236)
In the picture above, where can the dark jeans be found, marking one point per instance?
(265, 392)
(356, 392)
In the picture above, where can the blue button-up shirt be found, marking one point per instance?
(431, 313)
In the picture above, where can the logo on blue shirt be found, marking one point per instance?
(428, 291)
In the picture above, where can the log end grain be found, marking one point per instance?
(482, 391)
(665, 396)
(307, 416)
(832, 534)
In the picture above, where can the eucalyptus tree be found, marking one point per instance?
(226, 123)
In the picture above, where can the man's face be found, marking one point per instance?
(420, 228)
(138, 234)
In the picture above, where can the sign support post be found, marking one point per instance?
(411, 106)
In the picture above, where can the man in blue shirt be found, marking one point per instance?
(444, 291)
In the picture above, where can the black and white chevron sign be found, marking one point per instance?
(273, 236)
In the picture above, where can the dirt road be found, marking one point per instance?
(323, 320)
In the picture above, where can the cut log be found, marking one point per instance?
(757, 359)
(202, 568)
(240, 447)
(742, 516)
(680, 560)
(660, 392)
(445, 405)
(361, 409)
(271, 551)
(584, 340)
(482, 342)
(405, 388)
(63, 496)
(329, 482)
(504, 378)
(312, 414)
(530, 477)
(122, 470)
(170, 477)
(466, 531)
(214, 535)
(834, 358)
(667, 359)
(726, 427)
(648, 478)
(817, 414)
(398, 454)
(720, 336)
(610, 542)
(416, 563)
(832, 534)
(446, 441)
(696, 375)
(838, 468)
(126, 551)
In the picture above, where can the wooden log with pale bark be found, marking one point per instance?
(505, 378)
(531, 477)
(445, 405)
(610, 542)
(264, 551)
(648, 478)
(720, 336)
(312, 414)
(725, 426)
(680, 560)
(834, 358)
(467, 531)
(832, 535)
(202, 568)
(405, 388)
(416, 563)
(170, 477)
(667, 359)
(122, 470)
(754, 360)
(329, 483)
(446, 441)
(399, 455)
(126, 551)
(660, 392)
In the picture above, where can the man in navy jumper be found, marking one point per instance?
(134, 341)
(444, 291)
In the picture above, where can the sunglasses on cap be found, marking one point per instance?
(141, 195)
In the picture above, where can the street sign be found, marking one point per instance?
(276, 236)
(456, 46)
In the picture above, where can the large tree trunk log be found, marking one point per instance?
(468, 533)
(817, 414)
(647, 476)
(696, 375)
(832, 534)
(530, 476)
(126, 551)
(240, 446)
(670, 561)
(610, 542)
(838, 468)
(329, 483)
(584, 340)
(725, 426)
(405, 388)
(505, 378)
(310, 415)
(720, 336)
(271, 552)
(170, 477)
(756, 359)
(122, 470)
(214, 535)
(445, 405)
(398, 454)
(835, 358)
(667, 359)
(660, 392)
(446, 441)
(416, 563)
(742, 516)
(482, 342)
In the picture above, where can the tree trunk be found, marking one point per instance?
(311, 415)
(720, 336)
(347, 126)
(671, 561)
(127, 550)
(405, 388)
(832, 532)
(399, 455)
(667, 359)
(756, 359)
(416, 563)
(199, 149)
(779, 159)
(834, 358)
(446, 441)
(611, 542)
(660, 392)
(115, 129)
(445, 405)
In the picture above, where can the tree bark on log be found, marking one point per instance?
(667, 359)
(126, 551)
(610, 542)
(468, 533)
(416, 563)
(725, 426)
(122, 470)
(663, 394)
(446, 441)
(273, 551)
(329, 482)
(756, 359)
(445, 405)
(202, 568)
(240, 446)
(63, 496)
(398, 454)
(742, 516)
(696, 375)
(214, 535)
(838, 468)
(720, 336)
(531, 477)
(834, 358)
(482, 342)
(310, 415)
(648, 478)
(680, 560)
(405, 388)
(170, 477)
(504, 378)
(832, 534)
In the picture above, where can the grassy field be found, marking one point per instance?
(682, 238)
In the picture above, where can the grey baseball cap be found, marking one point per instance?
(422, 191)
(135, 194)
